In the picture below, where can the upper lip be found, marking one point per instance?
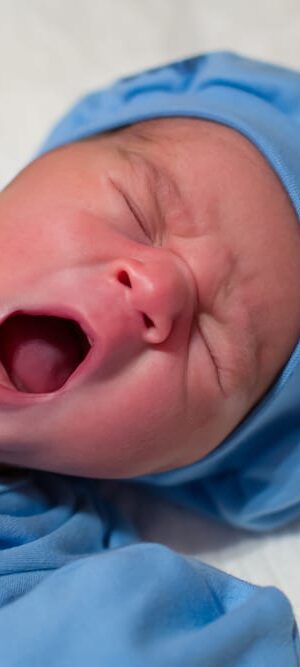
(65, 312)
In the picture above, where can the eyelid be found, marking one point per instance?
(133, 209)
(136, 213)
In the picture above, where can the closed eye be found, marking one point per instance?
(133, 209)
(136, 213)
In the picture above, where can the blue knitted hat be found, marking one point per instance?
(253, 478)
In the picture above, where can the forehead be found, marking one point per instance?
(189, 162)
(213, 174)
(187, 136)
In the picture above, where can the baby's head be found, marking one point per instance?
(148, 296)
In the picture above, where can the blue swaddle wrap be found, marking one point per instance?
(77, 586)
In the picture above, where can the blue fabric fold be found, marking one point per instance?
(77, 588)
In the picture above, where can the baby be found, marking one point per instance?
(184, 287)
(149, 328)
(149, 297)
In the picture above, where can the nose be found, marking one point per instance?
(155, 288)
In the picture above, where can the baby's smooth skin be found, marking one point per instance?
(174, 245)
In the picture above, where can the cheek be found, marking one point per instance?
(212, 412)
(124, 427)
(33, 250)
(156, 415)
(16, 254)
(138, 416)
(202, 385)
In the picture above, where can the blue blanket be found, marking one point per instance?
(78, 588)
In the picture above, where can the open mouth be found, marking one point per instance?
(39, 352)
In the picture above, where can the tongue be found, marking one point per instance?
(40, 353)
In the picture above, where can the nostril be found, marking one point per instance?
(148, 322)
(123, 278)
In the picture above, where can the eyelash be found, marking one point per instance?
(136, 215)
(132, 208)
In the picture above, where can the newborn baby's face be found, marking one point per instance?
(149, 285)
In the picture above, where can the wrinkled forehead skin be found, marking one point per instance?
(262, 102)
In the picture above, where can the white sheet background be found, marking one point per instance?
(53, 51)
